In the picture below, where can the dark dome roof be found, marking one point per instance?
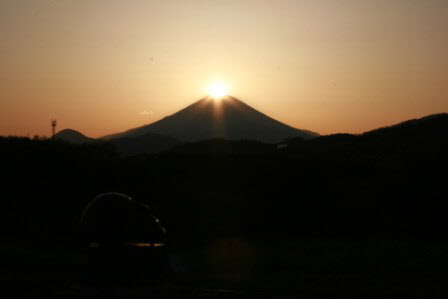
(115, 217)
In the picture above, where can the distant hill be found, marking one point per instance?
(227, 118)
(431, 126)
(72, 136)
(426, 135)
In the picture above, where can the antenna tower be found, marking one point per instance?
(54, 122)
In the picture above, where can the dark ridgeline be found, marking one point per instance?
(149, 143)
(126, 146)
(383, 184)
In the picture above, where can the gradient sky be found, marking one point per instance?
(104, 66)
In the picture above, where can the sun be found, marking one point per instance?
(217, 90)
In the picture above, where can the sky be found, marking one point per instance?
(333, 66)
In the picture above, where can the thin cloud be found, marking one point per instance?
(146, 112)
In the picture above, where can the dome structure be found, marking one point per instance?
(116, 218)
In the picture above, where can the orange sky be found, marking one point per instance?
(103, 66)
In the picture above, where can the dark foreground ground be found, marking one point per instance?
(385, 182)
(239, 268)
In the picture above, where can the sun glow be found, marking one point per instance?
(217, 90)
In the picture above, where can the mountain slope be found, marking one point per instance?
(228, 118)
(431, 126)
(426, 136)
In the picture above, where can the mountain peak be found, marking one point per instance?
(224, 117)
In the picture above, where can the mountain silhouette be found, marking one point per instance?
(227, 118)
(72, 136)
